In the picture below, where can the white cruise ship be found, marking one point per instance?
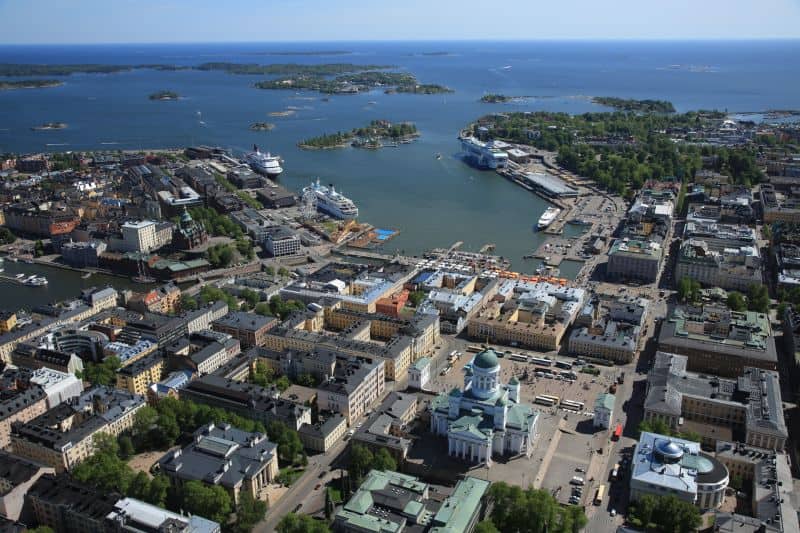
(264, 163)
(548, 217)
(483, 155)
(331, 202)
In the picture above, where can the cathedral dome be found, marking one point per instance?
(486, 359)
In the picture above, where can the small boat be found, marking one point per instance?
(372, 102)
(87, 275)
(438, 155)
(27, 261)
(13, 259)
(19, 276)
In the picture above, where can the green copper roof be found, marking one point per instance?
(486, 359)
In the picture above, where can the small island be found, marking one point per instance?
(378, 134)
(164, 96)
(261, 126)
(47, 126)
(7, 85)
(637, 106)
(354, 83)
(496, 98)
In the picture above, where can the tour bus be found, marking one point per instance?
(547, 400)
(540, 361)
(598, 496)
(569, 404)
(473, 348)
(518, 357)
(563, 364)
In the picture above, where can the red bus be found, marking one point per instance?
(617, 432)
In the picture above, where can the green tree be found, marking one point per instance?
(758, 298)
(383, 460)
(6, 237)
(664, 513)
(360, 462)
(126, 448)
(329, 507)
(301, 523)
(103, 373)
(736, 301)
(38, 248)
(416, 298)
(283, 383)
(212, 502)
(532, 511)
(306, 380)
(188, 303)
(249, 512)
(486, 526)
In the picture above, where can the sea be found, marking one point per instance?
(432, 202)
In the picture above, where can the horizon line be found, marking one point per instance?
(409, 41)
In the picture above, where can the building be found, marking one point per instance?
(247, 400)
(30, 219)
(355, 385)
(634, 259)
(58, 386)
(31, 357)
(165, 300)
(604, 410)
(202, 318)
(388, 427)
(664, 465)
(203, 352)
(236, 460)
(768, 474)
(127, 353)
(486, 418)
(724, 263)
(135, 516)
(745, 409)
(392, 305)
(527, 314)
(322, 435)
(19, 406)
(188, 234)
(780, 206)
(83, 254)
(16, 477)
(614, 335)
(64, 436)
(251, 329)
(8, 321)
(139, 237)
(390, 501)
(719, 341)
(280, 241)
(273, 196)
(67, 506)
(549, 185)
(137, 377)
(419, 373)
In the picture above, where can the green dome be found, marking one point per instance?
(486, 359)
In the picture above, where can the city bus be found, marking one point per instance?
(474, 348)
(569, 404)
(545, 400)
(518, 357)
(540, 361)
(563, 364)
(598, 496)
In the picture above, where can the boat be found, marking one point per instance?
(548, 217)
(579, 222)
(19, 276)
(332, 202)
(87, 275)
(35, 281)
(483, 154)
(264, 163)
(28, 261)
(143, 277)
(13, 259)
(438, 156)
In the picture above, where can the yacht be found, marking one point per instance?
(35, 281)
(264, 163)
(548, 217)
(483, 154)
(331, 202)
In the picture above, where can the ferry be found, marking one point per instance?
(548, 217)
(484, 155)
(331, 202)
(264, 163)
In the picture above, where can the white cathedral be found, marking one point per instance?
(485, 419)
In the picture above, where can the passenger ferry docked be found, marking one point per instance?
(548, 217)
(483, 154)
(331, 202)
(264, 163)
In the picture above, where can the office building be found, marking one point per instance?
(250, 328)
(280, 241)
(136, 516)
(634, 259)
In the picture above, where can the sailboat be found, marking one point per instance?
(143, 277)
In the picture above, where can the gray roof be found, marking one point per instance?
(220, 455)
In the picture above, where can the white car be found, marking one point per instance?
(613, 512)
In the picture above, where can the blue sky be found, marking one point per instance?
(93, 21)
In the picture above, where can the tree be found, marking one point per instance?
(664, 513)
(188, 303)
(486, 526)
(301, 523)
(249, 512)
(736, 301)
(103, 373)
(38, 248)
(212, 502)
(6, 237)
(360, 462)
(532, 511)
(758, 298)
(126, 448)
(383, 461)
(306, 380)
(283, 383)
(416, 298)
(329, 507)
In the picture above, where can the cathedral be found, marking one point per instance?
(486, 419)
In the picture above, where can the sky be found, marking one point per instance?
(164, 21)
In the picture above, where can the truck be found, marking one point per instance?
(621, 378)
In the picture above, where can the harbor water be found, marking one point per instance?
(432, 201)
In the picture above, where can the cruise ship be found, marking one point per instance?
(264, 163)
(548, 217)
(331, 202)
(483, 155)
